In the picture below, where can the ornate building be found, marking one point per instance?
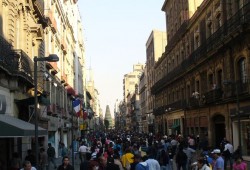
(202, 78)
(39, 28)
(155, 46)
(130, 86)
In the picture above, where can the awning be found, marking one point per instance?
(13, 127)
(70, 90)
(175, 126)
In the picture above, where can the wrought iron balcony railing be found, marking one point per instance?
(24, 66)
(240, 20)
(213, 96)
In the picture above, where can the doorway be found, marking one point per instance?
(219, 129)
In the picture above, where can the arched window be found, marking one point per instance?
(242, 71)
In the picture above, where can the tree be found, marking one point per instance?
(106, 123)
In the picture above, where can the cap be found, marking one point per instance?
(216, 151)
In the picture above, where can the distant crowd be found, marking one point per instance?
(116, 150)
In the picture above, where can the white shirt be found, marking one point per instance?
(153, 164)
(83, 149)
(229, 147)
(32, 168)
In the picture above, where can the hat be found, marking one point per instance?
(216, 151)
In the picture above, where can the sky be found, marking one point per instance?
(115, 35)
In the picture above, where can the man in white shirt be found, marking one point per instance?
(82, 151)
(152, 163)
(227, 153)
(27, 166)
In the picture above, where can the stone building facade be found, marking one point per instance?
(155, 46)
(39, 28)
(202, 83)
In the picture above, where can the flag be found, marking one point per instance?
(77, 105)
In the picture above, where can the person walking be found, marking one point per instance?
(111, 164)
(31, 157)
(82, 151)
(64, 150)
(15, 162)
(239, 164)
(153, 164)
(127, 159)
(219, 161)
(43, 161)
(202, 163)
(65, 165)
(142, 165)
(228, 154)
(51, 155)
(190, 154)
(27, 166)
(181, 159)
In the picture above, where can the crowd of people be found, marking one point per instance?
(130, 151)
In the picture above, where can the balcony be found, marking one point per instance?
(52, 21)
(8, 58)
(39, 12)
(51, 109)
(177, 36)
(236, 24)
(180, 104)
(64, 46)
(159, 110)
(24, 65)
(52, 66)
(64, 79)
(213, 96)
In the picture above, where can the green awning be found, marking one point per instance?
(175, 126)
(13, 127)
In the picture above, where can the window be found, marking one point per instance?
(218, 21)
(242, 70)
(197, 41)
(197, 86)
(188, 91)
(210, 80)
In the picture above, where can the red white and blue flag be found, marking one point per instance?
(77, 106)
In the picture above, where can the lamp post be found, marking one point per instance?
(50, 58)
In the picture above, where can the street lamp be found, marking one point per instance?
(227, 82)
(50, 58)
